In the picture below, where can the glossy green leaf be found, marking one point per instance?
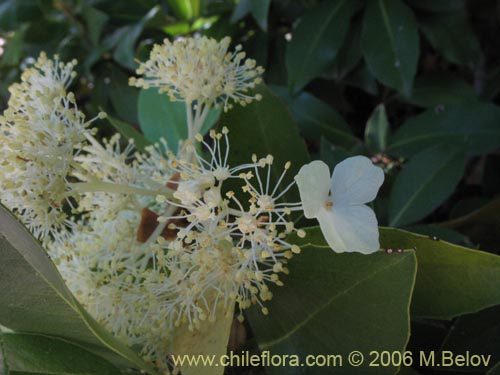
(441, 30)
(424, 183)
(390, 43)
(129, 132)
(377, 129)
(34, 298)
(316, 118)
(451, 280)
(30, 353)
(159, 117)
(262, 128)
(335, 303)
(316, 41)
(472, 126)
(438, 90)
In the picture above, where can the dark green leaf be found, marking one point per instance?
(349, 54)
(262, 128)
(377, 129)
(362, 78)
(477, 333)
(442, 233)
(159, 117)
(451, 280)
(472, 126)
(260, 11)
(129, 132)
(316, 41)
(441, 29)
(124, 52)
(95, 20)
(441, 89)
(122, 96)
(316, 118)
(51, 356)
(34, 298)
(390, 43)
(424, 183)
(336, 303)
(332, 155)
(482, 225)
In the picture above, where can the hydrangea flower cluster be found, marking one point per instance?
(41, 131)
(160, 241)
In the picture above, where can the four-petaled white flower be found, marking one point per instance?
(348, 225)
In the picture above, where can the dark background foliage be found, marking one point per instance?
(413, 84)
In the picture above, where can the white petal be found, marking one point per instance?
(313, 181)
(355, 180)
(350, 228)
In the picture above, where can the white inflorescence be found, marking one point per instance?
(40, 132)
(200, 70)
(160, 241)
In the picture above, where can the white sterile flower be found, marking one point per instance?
(339, 203)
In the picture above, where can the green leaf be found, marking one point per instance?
(124, 52)
(129, 132)
(316, 118)
(316, 41)
(184, 9)
(30, 353)
(477, 333)
(34, 298)
(349, 54)
(451, 280)
(441, 89)
(265, 127)
(159, 117)
(424, 183)
(95, 20)
(122, 96)
(472, 126)
(335, 303)
(363, 79)
(260, 11)
(390, 43)
(441, 30)
(482, 225)
(377, 129)
(332, 155)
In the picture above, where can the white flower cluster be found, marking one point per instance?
(40, 133)
(200, 70)
(160, 242)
